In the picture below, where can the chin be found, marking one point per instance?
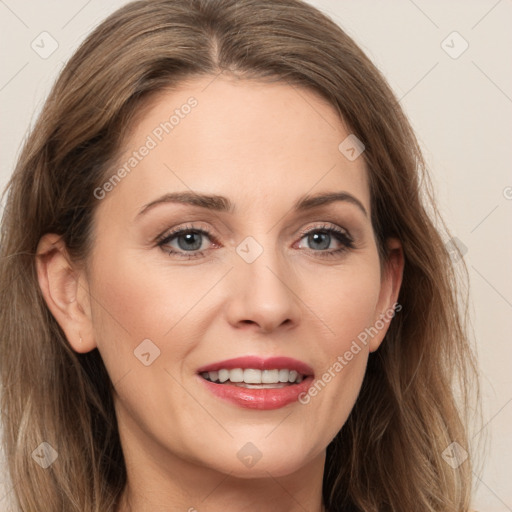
(251, 461)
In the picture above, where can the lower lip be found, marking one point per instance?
(263, 399)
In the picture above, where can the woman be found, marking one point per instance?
(173, 339)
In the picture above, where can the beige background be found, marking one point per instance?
(460, 108)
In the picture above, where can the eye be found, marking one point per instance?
(320, 238)
(188, 239)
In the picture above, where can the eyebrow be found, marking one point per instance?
(223, 204)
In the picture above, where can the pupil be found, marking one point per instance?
(190, 243)
(316, 239)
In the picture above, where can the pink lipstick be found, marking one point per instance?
(257, 383)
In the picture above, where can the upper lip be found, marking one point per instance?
(259, 363)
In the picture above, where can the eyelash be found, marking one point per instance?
(340, 235)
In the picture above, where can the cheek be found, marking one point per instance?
(346, 301)
(135, 301)
(144, 335)
(143, 297)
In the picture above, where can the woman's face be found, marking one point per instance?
(252, 276)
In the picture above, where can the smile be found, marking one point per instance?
(257, 383)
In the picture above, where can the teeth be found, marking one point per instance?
(254, 376)
(285, 374)
(236, 375)
(269, 377)
(223, 375)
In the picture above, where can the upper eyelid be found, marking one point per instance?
(327, 226)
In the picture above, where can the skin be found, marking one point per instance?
(262, 146)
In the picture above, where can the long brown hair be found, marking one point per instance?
(416, 392)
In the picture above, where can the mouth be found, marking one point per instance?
(257, 383)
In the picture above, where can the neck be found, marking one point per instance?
(271, 496)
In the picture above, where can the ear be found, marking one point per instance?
(391, 280)
(65, 291)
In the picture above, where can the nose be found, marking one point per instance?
(261, 295)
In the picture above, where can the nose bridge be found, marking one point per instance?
(263, 285)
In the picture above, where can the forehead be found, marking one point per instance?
(261, 144)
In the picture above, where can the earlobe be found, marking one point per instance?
(391, 282)
(61, 288)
